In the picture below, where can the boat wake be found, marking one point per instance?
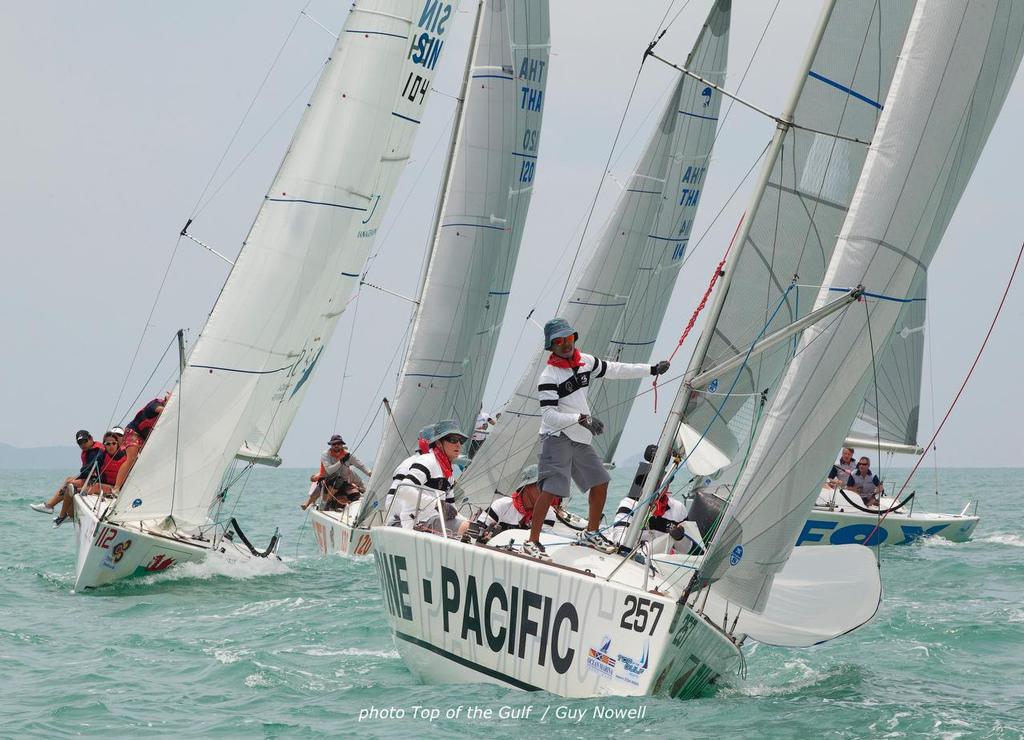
(217, 565)
(1013, 540)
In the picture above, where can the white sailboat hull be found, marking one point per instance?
(335, 533)
(108, 552)
(844, 525)
(465, 613)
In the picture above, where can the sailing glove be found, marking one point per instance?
(661, 368)
(594, 425)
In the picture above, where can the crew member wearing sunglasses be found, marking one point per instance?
(341, 485)
(567, 429)
(92, 459)
(866, 483)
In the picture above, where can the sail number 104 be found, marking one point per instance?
(638, 613)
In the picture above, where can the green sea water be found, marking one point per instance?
(300, 647)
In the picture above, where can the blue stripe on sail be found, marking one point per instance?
(429, 375)
(599, 305)
(404, 118)
(380, 33)
(647, 192)
(845, 89)
(499, 292)
(350, 274)
(476, 226)
(315, 203)
(632, 344)
(879, 296)
(495, 77)
(669, 238)
(696, 115)
(520, 154)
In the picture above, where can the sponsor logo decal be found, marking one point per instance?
(736, 555)
(136, 503)
(599, 660)
(160, 562)
(631, 669)
(713, 386)
(816, 530)
(114, 556)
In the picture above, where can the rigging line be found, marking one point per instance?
(248, 110)
(145, 327)
(878, 432)
(142, 390)
(348, 354)
(977, 357)
(600, 184)
(931, 391)
(369, 427)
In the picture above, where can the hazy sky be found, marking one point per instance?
(116, 114)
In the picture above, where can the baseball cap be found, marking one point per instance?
(81, 435)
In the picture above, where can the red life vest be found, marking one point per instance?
(87, 450)
(146, 418)
(110, 465)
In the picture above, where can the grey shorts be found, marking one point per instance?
(561, 459)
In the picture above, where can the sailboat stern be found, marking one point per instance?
(466, 613)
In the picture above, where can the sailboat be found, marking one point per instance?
(890, 407)
(241, 385)
(473, 249)
(592, 624)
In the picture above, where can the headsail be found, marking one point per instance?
(300, 262)
(463, 300)
(954, 73)
(640, 250)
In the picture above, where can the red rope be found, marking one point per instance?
(963, 385)
(700, 307)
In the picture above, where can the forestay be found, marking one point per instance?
(640, 250)
(792, 223)
(466, 289)
(954, 74)
(299, 264)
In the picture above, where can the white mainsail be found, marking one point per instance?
(639, 251)
(954, 73)
(893, 400)
(248, 369)
(475, 246)
(797, 211)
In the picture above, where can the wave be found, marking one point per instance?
(1014, 540)
(217, 565)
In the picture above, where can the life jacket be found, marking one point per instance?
(110, 465)
(89, 451)
(145, 419)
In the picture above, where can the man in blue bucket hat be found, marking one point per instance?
(567, 429)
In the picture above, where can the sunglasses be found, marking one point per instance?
(111, 443)
(561, 340)
(862, 465)
(453, 439)
(337, 444)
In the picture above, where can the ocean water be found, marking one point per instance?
(300, 647)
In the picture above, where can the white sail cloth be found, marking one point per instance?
(954, 72)
(299, 263)
(640, 249)
(462, 303)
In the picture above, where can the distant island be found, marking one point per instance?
(38, 458)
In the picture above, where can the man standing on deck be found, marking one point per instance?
(567, 429)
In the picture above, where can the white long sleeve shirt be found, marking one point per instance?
(563, 393)
(411, 502)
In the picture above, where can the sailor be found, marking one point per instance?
(137, 432)
(515, 511)
(111, 461)
(402, 471)
(336, 474)
(92, 459)
(414, 501)
(481, 430)
(567, 428)
(843, 469)
(865, 483)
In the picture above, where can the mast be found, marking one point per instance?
(675, 414)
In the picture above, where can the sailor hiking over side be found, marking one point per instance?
(567, 429)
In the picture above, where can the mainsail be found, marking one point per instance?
(475, 246)
(302, 258)
(634, 267)
(788, 236)
(953, 76)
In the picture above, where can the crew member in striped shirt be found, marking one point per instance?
(567, 428)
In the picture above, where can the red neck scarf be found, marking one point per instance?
(517, 501)
(661, 504)
(444, 462)
(556, 361)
